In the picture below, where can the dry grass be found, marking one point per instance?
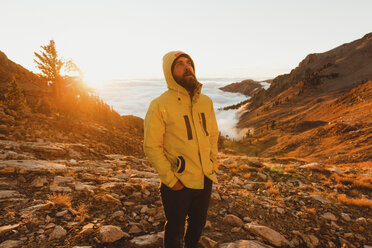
(233, 170)
(310, 210)
(244, 167)
(274, 191)
(271, 188)
(247, 175)
(60, 199)
(360, 202)
(359, 165)
(357, 181)
(269, 184)
(364, 182)
(82, 211)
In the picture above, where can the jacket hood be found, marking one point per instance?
(168, 60)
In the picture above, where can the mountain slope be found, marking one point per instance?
(318, 110)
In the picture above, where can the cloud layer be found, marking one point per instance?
(132, 97)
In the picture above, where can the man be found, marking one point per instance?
(180, 141)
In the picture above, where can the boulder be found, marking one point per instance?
(147, 240)
(109, 233)
(57, 233)
(233, 220)
(272, 236)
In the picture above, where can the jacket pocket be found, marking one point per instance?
(204, 123)
(188, 127)
(181, 164)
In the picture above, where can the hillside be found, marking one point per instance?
(320, 111)
(85, 120)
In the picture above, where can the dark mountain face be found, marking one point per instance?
(336, 70)
(292, 116)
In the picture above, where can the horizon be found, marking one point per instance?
(246, 39)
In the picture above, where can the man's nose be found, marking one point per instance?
(188, 67)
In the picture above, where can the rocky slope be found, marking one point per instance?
(320, 111)
(114, 201)
(247, 87)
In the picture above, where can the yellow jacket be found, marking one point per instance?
(181, 133)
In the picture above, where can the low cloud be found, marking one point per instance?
(132, 97)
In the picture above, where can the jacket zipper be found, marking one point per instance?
(196, 135)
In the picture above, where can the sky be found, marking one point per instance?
(117, 39)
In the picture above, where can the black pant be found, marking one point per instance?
(179, 204)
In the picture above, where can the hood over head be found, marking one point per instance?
(168, 60)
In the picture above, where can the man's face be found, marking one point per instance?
(183, 73)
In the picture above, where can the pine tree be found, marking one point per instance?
(50, 66)
(14, 97)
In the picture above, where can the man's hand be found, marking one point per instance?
(178, 186)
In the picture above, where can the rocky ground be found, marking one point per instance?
(113, 201)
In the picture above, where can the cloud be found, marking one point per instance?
(132, 97)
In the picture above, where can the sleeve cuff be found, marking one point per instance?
(172, 182)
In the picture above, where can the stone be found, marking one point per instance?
(362, 221)
(346, 217)
(348, 235)
(9, 194)
(144, 209)
(110, 198)
(32, 165)
(50, 225)
(37, 182)
(81, 187)
(37, 207)
(208, 225)
(314, 240)
(147, 240)
(134, 229)
(109, 233)
(116, 214)
(57, 233)
(55, 188)
(87, 228)
(4, 229)
(60, 179)
(320, 199)
(11, 244)
(215, 196)
(316, 165)
(61, 213)
(280, 210)
(233, 220)
(337, 170)
(207, 242)
(245, 244)
(329, 216)
(272, 236)
(360, 237)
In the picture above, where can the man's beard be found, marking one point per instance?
(188, 81)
